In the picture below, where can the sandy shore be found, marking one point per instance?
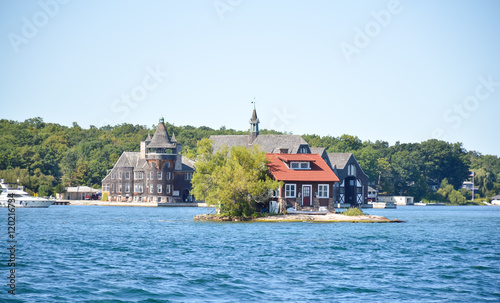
(330, 217)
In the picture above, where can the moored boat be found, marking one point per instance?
(21, 198)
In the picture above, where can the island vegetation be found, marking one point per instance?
(46, 157)
(234, 181)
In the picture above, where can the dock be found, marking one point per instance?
(186, 204)
(61, 202)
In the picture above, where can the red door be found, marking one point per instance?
(306, 195)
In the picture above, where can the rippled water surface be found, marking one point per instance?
(135, 254)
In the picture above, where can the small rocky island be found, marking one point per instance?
(328, 218)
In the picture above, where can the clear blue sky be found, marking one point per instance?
(388, 70)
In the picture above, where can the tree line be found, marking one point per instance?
(46, 157)
(418, 169)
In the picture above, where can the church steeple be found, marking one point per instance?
(254, 125)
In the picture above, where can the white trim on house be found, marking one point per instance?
(327, 191)
(310, 194)
(294, 190)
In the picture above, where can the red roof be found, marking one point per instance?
(319, 172)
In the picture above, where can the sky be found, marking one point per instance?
(403, 71)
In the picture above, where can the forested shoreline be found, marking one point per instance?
(46, 157)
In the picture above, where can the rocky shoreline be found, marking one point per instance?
(328, 218)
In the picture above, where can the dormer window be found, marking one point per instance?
(300, 165)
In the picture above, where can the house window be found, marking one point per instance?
(290, 190)
(105, 187)
(127, 188)
(189, 176)
(159, 188)
(120, 175)
(138, 188)
(323, 190)
(119, 188)
(151, 189)
(300, 165)
(138, 175)
(169, 175)
(113, 175)
(159, 175)
(151, 175)
(112, 187)
(168, 188)
(127, 175)
(274, 193)
(304, 149)
(351, 170)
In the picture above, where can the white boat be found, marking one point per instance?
(21, 198)
(292, 210)
(429, 204)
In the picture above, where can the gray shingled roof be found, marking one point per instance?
(160, 138)
(131, 159)
(339, 159)
(317, 150)
(268, 143)
(254, 118)
(187, 164)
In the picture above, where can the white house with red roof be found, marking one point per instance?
(308, 181)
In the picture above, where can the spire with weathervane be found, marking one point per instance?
(254, 125)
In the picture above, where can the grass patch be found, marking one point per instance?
(353, 211)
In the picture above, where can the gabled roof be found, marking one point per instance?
(267, 143)
(131, 159)
(317, 150)
(339, 159)
(160, 138)
(319, 172)
(295, 157)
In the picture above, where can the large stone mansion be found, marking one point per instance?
(157, 173)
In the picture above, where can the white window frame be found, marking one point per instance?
(120, 175)
(168, 189)
(127, 188)
(300, 165)
(151, 175)
(351, 170)
(127, 175)
(189, 176)
(159, 187)
(151, 189)
(321, 190)
(289, 190)
(159, 175)
(120, 188)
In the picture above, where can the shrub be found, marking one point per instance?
(353, 211)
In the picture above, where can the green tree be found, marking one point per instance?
(44, 190)
(232, 181)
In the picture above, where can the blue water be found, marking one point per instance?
(132, 254)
